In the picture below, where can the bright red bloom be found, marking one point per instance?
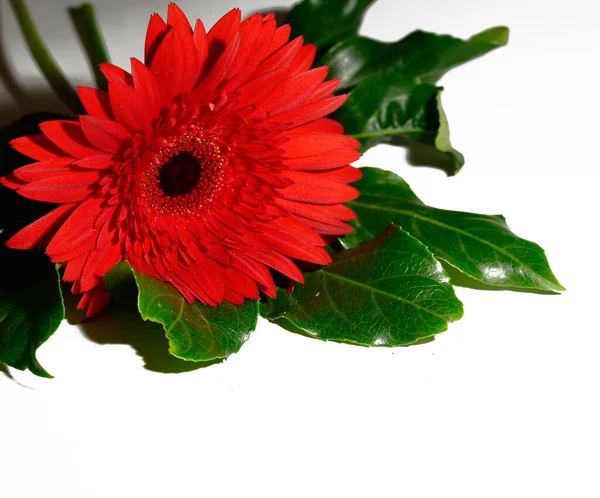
(204, 167)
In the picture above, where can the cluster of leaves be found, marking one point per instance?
(388, 284)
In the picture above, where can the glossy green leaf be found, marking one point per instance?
(31, 307)
(388, 110)
(421, 57)
(324, 22)
(480, 246)
(195, 332)
(389, 292)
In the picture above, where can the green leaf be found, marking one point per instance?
(393, 97)
(31, 307)
(389, 110)
(195, 332)
(389, 292)
(421, 57)
(324, 22)
(480, 246)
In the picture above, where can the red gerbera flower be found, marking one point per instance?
(204, 167)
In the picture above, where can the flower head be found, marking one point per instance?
(205, 166)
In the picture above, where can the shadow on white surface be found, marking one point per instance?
(121, 324)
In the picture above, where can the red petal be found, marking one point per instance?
(295, 247)
(69, 137)
(147, 87)
(175, 15)
(280, 38)
(157, 28)
(38, 147)
(70, 187)
(216, 74)
(282, 58)
(327, 160)
(99, 300)
(347, 174)
(201, 45)
(233, 297)
(174, 65)
(314, 189)
(322, 125)
(109, 136)
(80, 222)
(221, 35)
(44, 169)
(240, 283)
(97, 162)
(324, 213)
(38, 233)
(280, 263)
(304, 60)
(308, 112)
(128, 107)
(12, 182)
(74, 268)
(313, 144)
(292, 92)
(115, 73)
(96, 102)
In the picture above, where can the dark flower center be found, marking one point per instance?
(180, 174)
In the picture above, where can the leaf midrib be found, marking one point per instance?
(450, 227)
(387, 294)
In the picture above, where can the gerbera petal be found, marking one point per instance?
(129, 107)
(147, 87)
(347, 174)
(38, 233)
(315, 189)
(108, 136)
(66, 188)
(221, 35)
(157, 29)
(307, 112)
(175, 15)
(43, 169)
(280, 38)
(81, 221)
(95, 102)
(302, 143)
(38, 147)
(115, 73)
(97, 162)
(69, 136)
(201, 43)
(98, 301)
(326, 160)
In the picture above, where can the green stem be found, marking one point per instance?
(395, 131)
(43, 59)
(89, 33)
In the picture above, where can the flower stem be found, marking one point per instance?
(43, 59)
(89, 33)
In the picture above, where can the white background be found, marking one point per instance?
(504, 404)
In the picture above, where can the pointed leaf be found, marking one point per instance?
(389, 292)
(481, 246)
(324, 22)
(31, 307)
(389, 110)
(195, 332)
(421, 56)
